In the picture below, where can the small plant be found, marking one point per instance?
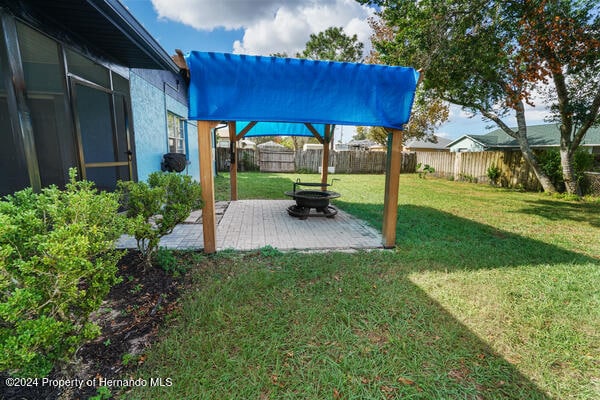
(467, 178)
(156, 207)
(427, 169)
(269, 251)
(103, 393)
(493, 173)
(57, 264)
(128, 359)
(165, 259)
(136, 289)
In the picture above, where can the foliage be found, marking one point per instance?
(467, 178)
(492, 56)
(361, 133)
(493, 173)
(551, 164)
(427, 115)
(57, 263)
(427, 169)
(269, 251)
(247, 163)
(334, 45)
(103, 393)
(376, 134)
(165, 259)
(156, 207)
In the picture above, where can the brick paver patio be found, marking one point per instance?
(252, 224)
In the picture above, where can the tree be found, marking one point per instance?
(492, 57)
(428, 114)
(334, 45)
(361, 133)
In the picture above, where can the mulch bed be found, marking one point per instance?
(130, 319)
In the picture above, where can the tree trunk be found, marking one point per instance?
(521, 136)
(530, 158)
(566, 162)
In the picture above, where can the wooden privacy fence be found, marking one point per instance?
(351, 162)
(344, 162)
(473, 167)
(276, 160)
(247, 159)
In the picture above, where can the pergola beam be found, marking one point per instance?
(315, 133)
(392, 184)
(246, 129)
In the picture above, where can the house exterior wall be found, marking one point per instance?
(153, 94)
(427, 149)
(466, 145)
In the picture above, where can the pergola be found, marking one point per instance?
(284, 96)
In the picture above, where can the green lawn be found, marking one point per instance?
(489, 294)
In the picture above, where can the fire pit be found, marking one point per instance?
(307, 199)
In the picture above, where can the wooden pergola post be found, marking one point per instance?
(325, 159)
(205, 154)
(392, 183)
(233, 161)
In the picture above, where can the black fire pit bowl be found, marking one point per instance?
(307, 199)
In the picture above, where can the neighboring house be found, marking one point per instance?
(540, 136)
(364, 144)
(426, 145)
(84, 85)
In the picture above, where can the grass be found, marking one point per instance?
(489, 294)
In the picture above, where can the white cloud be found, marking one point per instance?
(270, 26)
(211, 14)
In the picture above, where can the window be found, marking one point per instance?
(176, 131)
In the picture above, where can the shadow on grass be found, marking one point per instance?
(556, 210)
(435, 240)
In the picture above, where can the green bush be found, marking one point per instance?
(166, 260)
(154, 208)
(57, 264)
(549, 161)
(426, 169)
(494, 173)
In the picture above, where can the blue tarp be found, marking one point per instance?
(279, 129)
(229, 87)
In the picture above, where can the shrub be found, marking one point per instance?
(426, 169)
(166, 260)
(549, 161)
(154, 208)
(493, 173)
(57, 264)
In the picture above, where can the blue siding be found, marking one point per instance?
(150, 101)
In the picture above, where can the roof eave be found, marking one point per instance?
(123, 20)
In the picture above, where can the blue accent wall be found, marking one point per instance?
(153, 93)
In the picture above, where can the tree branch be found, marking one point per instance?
(494, 117)
(588, 122)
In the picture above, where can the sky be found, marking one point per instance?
(264, 27)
